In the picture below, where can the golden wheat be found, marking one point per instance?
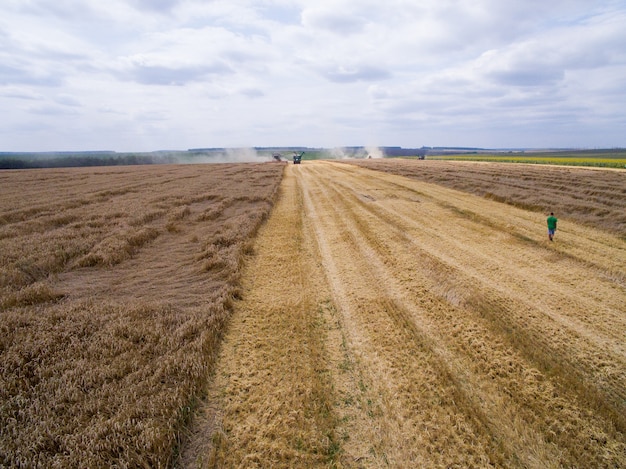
(594, 197)
(388, 322)
(115, 290)
(383, 321)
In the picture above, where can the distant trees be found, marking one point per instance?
(31, 161)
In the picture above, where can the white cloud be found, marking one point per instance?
(144, 75)
(336, 18)
(20, 92)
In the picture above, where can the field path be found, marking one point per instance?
(388, 322)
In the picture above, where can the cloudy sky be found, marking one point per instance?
(142, 75)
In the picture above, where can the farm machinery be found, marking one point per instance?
(297, 157)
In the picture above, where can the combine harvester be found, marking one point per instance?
(297, 157)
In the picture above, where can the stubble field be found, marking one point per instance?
(595, 197)
(377, 321)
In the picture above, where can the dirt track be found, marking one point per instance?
(390, 322)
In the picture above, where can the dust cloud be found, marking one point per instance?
(227, 155)
(340, 153)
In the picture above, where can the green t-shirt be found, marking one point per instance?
(552, 222)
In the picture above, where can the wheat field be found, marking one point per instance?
(115, 287)
(595, 197)
(390, 322)
(315, 315)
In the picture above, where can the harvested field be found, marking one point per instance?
(594, 197)
(115, 287)
(375, 321)
(390, 322)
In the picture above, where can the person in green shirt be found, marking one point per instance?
(551, 226)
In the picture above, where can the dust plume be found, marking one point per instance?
(342, 153)
(374, 152)
(225, 155)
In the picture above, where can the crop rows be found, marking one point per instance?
(392, 322)
(116, 284)
(376, 320)
(596, 198)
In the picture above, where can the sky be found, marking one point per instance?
(145, 75)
